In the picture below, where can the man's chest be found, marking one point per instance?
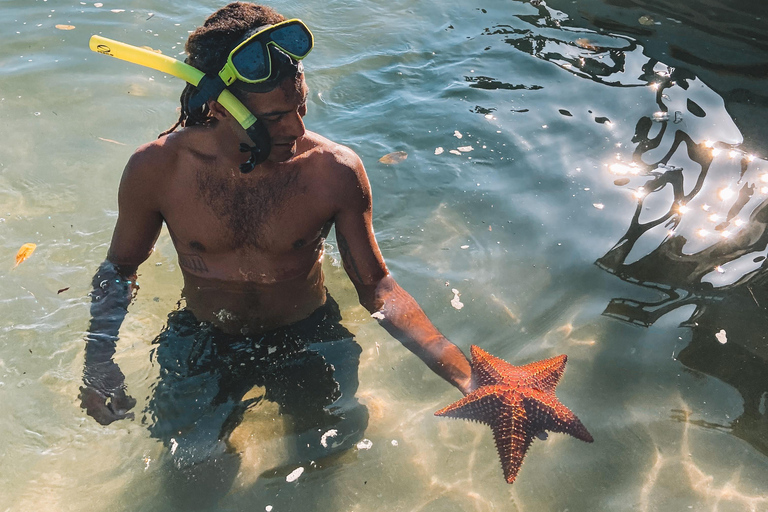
(277, 214)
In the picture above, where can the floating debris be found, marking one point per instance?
(62, 290)
(439, 151)
(110, 140)
(65, 27)
(294, 475)
(365, 444)
(324, 439)
(394, 442)
(646, 20)
(464, 247)
(455, 152)
(455, 302)
(599, 206)
(25, 252)
(457, 134)
(378, 315)
(721, 337)
(621, 182)
(393, 158)
(465, 149)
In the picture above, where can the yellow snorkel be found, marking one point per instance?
(164, 64)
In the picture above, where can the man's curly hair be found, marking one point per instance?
(208, 48)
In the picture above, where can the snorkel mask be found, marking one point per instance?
(259, 63)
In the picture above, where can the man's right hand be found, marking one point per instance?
(105, 408)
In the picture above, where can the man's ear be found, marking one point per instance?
(217, 110)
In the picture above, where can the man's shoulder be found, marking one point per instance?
(334, 157)
(341, 172)
(159, 153)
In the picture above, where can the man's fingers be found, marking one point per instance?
(122, 402)
(96, 406)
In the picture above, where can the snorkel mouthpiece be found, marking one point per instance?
(260, 150)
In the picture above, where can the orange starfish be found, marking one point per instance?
(518, 403)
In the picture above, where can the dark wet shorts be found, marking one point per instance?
(308, 368)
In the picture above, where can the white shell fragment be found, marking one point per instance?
(324, 439)
(295, 474)
(455, 302)
(365, 444)
(721, 337)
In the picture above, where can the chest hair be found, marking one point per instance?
(246, 205)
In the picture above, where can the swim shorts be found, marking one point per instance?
(308, 368)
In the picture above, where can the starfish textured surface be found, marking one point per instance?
(518, 403)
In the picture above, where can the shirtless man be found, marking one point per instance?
(250, 247)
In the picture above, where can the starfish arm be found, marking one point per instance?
(485, 405)
(544, 375)
(488, 370)
(546, 412)
(512, 441)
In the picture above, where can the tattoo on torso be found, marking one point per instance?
(192, 262)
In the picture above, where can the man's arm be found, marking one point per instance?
(138, 226)
(378, 291)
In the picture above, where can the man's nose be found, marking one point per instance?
(296, 127)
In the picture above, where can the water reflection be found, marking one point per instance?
(701, 212)
(725, 275)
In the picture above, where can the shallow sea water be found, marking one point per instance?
(541, 139)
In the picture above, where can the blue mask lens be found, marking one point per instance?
(293, 39)
(252, 61)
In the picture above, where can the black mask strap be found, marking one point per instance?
(210, 86)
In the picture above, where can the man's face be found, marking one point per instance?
(281, 110)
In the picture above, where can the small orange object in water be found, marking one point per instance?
(24, 253)
(393, 158)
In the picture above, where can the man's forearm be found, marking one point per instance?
(111, 294)
(402, 317)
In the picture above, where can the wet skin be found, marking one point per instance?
(251, 245)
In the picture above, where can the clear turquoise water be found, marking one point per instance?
(515, 225)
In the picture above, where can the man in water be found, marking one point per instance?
(255, 312)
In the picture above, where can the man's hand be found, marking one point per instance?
(106, 408)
